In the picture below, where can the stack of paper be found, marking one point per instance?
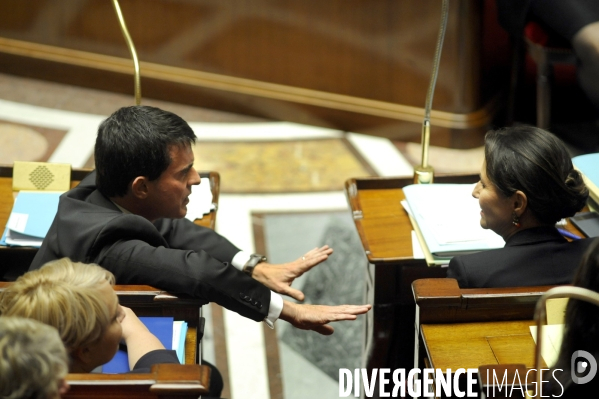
(200, 201)
(30, 219)
(446, 219)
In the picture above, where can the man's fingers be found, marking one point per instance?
(347, 312)
(324, 329)
(295, 294)
(308, 262)
(324, 250)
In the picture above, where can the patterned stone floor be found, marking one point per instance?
(283, 166)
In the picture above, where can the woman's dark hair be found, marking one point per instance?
(134, 141)
(535, 162)
(582, 318)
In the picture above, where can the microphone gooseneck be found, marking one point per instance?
(131, 46)
(424, 172)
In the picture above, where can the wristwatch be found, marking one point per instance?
(249, 266)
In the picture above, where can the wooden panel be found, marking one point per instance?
(378, 50)
(163, 382)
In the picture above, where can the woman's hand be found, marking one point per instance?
(138, 338)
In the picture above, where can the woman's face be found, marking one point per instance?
(496, 210)
(103, 350)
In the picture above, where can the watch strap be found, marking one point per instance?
(249, 266)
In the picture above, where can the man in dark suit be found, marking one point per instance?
(127, 216)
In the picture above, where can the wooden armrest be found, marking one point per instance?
(184, 381)
(130, 295)
(493, 385)
(147, 294)
(442, 301)
(436, 292)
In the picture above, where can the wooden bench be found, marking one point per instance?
(456, 327)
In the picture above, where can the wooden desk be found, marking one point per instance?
(470, 345)
(385, 233)
(15, 261)
(468, 327)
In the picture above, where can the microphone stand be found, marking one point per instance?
(131, 46)
(423, 174)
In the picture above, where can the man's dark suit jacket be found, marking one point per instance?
(537, 256)
(171, 254)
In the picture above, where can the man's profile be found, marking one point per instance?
(127, 216)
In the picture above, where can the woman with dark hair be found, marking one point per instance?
(581, 332)
(527, 184)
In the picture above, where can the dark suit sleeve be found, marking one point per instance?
(158, 356)
(136, 254)
(457, 270)
(183, 234)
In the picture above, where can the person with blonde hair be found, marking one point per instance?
(33, 360)
(79, 301)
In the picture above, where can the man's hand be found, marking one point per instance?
(279, 277)
(317, 317)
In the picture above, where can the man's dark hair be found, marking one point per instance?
(534, 161)
(134, 141)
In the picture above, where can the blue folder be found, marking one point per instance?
(31, 217)
(161, 327)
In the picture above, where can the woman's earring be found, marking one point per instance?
(515, 220)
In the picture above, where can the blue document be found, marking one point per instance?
(161, 327)
(30, 219)
(589, 165)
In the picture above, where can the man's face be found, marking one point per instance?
(169, 194)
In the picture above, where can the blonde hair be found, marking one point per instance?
(63, 294)
(33, 360)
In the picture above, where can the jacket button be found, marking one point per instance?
(241, 295)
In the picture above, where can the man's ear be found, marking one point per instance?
(520, 202)
(139, 187)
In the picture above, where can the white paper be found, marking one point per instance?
(449, 218)
(552, 341)
(200, 201)
(417, 251)
(18, 221)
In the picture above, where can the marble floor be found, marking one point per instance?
(281, 192)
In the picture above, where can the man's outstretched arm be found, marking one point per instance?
(318, 317)
(279, 277)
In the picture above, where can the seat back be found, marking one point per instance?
(443, 301)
